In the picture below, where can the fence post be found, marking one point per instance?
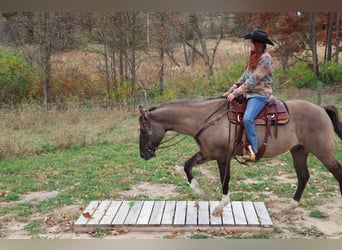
(319, 93)
(143, 97)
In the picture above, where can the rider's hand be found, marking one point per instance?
(231, 97)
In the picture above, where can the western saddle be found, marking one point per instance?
(273, 114)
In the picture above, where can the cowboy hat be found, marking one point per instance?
(259, 35)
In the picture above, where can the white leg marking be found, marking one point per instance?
(225, 200)
(196, 188)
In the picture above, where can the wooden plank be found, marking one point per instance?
(122, 213)
(203, 213)
(180, 213)
(264, 217)
(191, 213)
(251, 216)
(133, 213)
(145, 213)
(214, 220)
(239, 214)
(157, 213)
(169, 212)
(111, 212)
(99, 212)
(89, 209)
(227, 216)
(174, 215)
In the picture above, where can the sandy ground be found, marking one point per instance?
(58, 224)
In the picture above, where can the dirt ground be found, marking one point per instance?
(58, 223)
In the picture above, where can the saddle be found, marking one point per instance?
(274, 110)
(273, 114)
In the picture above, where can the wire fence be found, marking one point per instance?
(331, 94)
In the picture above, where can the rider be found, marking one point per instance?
(255, 83)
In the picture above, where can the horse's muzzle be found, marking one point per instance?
(147, 154)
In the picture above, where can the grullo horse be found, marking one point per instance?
(310, 130)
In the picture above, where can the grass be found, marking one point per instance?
(92, 154)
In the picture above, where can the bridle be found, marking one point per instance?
(146, 128)
(149, 146)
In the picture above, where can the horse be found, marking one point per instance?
(310, 130)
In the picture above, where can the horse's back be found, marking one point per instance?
(305, 113)
(312, 124)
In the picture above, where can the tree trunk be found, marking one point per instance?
(133, 63)
(313, 41)
(121, 50)
(162, 53)
(186, 56)
(327, 56)
(45, 53)
(107, 71)
(337, 41)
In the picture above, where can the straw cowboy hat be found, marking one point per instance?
(259, 35)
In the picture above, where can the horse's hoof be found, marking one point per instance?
(217, 211)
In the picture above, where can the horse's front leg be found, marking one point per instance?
(196, 159)
(224, 167)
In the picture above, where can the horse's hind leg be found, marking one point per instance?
(196, 159)
(332, 164)
(299, 155)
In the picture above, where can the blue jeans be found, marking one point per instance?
(254, 106)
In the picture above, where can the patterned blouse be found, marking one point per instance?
(258, 82)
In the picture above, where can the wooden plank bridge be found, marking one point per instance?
(173, 215)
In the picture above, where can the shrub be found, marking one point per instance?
(225, 78)
(18, 78)
(300, 75)
(330, 73)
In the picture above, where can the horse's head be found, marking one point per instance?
(151, 134)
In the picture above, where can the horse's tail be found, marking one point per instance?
(333, 114)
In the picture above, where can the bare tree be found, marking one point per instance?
(196, 28)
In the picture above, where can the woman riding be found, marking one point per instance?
(256, 84)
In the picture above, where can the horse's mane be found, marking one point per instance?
(183, 103)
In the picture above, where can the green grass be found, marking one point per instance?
(318, 214)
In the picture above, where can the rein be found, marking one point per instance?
(171, 140)
(212, 122)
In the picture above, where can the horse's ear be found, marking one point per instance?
(142, 111)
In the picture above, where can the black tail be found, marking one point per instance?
(333, 114)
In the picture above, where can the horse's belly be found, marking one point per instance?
(279, 141)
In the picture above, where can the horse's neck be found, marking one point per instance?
(186, 119)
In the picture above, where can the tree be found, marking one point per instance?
(49, 32)
(192, 29)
